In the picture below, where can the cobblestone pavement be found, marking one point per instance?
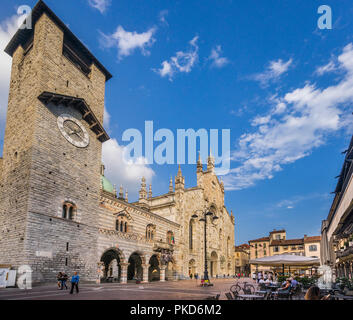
(173, 290)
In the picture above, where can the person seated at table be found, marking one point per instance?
(261, 281)
(286, 286)
(314, 294)
(268, 281)
(294, 283)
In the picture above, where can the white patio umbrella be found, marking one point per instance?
(286, 260)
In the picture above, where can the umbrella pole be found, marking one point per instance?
(283, 269)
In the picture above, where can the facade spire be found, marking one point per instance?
(143, 191)
(150, 192)
(179, 180)
(121, 192)
(171, 190)
(126, 196)
(199, 163)
(114, 190)
(179, 172)
(210, 163)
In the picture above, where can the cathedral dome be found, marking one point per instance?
(107, 185)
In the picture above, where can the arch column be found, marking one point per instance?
(145, 273)
(124, 266)
(162, 273)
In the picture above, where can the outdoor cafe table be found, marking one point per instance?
(250, 296)
(342, 297)
(263, 292)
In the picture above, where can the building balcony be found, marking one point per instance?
(160, 245)
(342, 254)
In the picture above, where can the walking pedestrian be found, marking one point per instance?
(58, 278)
(63, 281)
(75, 279)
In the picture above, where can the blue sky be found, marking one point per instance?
(260, 68)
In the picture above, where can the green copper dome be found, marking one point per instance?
(106, 184)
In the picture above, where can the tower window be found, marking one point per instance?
(67, 246)
(69, 211)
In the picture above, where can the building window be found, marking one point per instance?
(228, 246)
(264, 245)
(170, 237)
(278, 237)
(69, 211)
(276, 249)
(255, 245)
(265, 253)
(150, 232)
(313, 247)
(191, 234)
(121, 224)
(293, 248)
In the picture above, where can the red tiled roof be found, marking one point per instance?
(242, 246)
(286, 242)
(260, 239)
(312, 239)
(277, 231)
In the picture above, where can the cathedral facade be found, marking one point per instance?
(58, 211)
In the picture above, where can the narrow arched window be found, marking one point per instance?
(69, 211)
(64, 211)
(150, 231)
(191, 231)
(125, 230)
(117, 225)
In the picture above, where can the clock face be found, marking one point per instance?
(73, 130)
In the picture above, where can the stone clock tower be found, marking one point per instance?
(50, 174)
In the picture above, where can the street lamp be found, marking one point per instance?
(204, 219)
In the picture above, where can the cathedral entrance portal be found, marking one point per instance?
(192, 267)
(154, 270)
(134, 270)
(112, 269)
(214, 260)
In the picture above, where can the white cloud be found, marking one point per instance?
(216, 58)
(100, 5)
(122, 172)
(106, 119)
(329, 67)
(162, 17)
(8, 28)
(127, 42)
(295, 200)
(181, 62)
(273, 71)
(310, 115)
